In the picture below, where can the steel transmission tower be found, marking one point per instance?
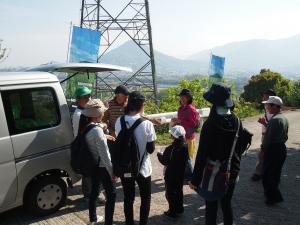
(132, 21)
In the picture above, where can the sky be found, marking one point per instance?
(37, 31)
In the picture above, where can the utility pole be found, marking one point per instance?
(126, 21)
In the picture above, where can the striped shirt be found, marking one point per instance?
(111, 115)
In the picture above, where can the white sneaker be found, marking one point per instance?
(99, 219)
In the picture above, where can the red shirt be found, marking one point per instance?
(188, 117)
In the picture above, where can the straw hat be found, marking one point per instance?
(94, 108)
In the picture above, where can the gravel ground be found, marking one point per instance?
(248, 200)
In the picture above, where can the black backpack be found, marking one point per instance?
(82, 161)
(126, 155)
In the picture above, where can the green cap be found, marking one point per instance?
(82, 91)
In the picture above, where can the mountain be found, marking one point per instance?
(248, 57)
(130, 55)
(243, 59)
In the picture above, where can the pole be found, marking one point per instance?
(68, 50)
(98, 27)
(151, 51)
(82, 9)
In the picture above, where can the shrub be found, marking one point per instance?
(170, 103)
(267, 79)
(294, 98)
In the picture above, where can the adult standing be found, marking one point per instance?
(116, 108)
(274, 150)
(100, 161)
(188, 117)
(264, 122)
(216, 140)
(145, 137)
(83, 95)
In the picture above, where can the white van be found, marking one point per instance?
(35, 137)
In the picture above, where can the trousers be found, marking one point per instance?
(101, 176)
(211, 209)
(174, 196)
(144, 185)
(273, 162)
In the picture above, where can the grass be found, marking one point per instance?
(163, 139)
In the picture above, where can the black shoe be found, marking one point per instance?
(170, 214)
(255, 177)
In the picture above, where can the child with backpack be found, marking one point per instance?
(135, 141)
(174, 158)
(96, 160)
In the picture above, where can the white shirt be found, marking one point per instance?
(144, 133)
(75, 121)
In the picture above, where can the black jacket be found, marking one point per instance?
(216, 139)
(175, 159)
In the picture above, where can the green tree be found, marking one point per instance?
(169, 102)
(197, 86)
(267, 79)
(295, 94)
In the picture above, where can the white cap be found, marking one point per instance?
(274, 100)
(177, 131)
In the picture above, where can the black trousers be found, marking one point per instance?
(273, 162)
(211, 210)
(86, 186)
(101, 176)
(144, 185)
(188, 173)
(174, 196)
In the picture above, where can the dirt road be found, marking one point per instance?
(248, 200)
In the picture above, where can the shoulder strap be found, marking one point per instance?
(136, 124)
(123, 123)
(88, 128)
(233, 146)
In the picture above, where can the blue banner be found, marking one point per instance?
(216, 68)
(84, 45)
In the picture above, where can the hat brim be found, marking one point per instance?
(208, 96)
(188, 95)
(274, 103)
(122, 92)
(86, 93)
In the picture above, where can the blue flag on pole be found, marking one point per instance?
(84, 45)
(216, 67)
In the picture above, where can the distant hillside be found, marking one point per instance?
(249, 57)
(243, 59)
(130, 55)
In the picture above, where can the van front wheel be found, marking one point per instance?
(46, 195)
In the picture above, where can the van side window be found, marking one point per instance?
(30, 109)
